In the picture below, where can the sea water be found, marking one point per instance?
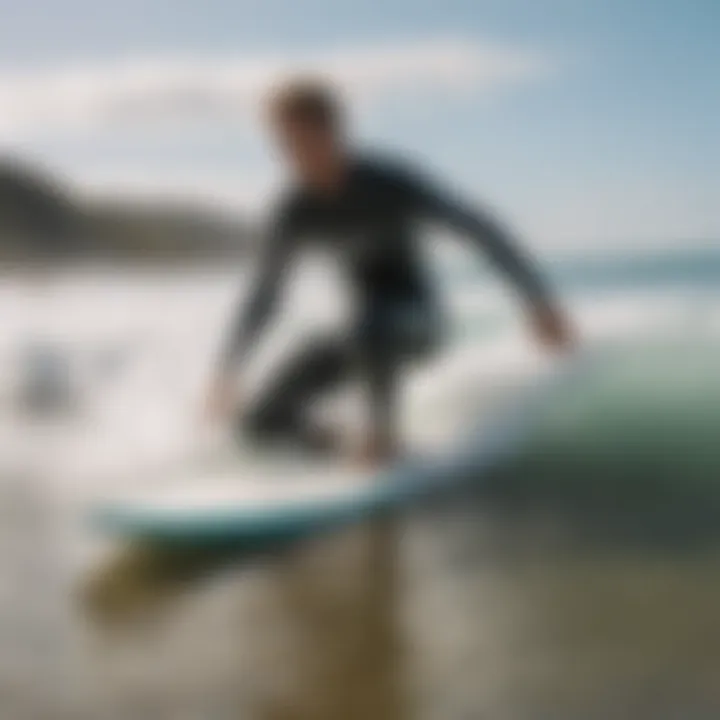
(456, 610)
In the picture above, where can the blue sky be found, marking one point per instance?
(585, 122)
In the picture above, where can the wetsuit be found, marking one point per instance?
(370, 222)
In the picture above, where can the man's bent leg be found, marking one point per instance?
(391, 337)
(280, 411)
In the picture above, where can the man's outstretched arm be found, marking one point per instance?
(497, 243)
(250, 320)
(257, 310)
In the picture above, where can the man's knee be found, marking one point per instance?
(280, 408)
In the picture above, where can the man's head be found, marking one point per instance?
(307, 122)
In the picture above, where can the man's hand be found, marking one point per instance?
(551, 328)
(222, 400)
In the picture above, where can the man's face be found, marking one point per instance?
(311, 149)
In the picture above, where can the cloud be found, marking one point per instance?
(142, 91)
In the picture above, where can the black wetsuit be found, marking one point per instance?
(370, 223)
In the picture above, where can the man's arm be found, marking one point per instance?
(488, 234)
(257, 310)
(499, 246)
(496, 242)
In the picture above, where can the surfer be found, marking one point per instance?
(365, 209)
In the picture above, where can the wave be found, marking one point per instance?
(636, 440)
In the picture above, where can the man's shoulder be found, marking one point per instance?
(385, 167)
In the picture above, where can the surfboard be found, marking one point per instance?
(266, 497)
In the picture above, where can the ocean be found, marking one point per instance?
(579, 581)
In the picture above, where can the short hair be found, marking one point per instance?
(310, 100)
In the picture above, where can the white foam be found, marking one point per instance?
(144, 414)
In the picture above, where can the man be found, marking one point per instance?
(365, 209)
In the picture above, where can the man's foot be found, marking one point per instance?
(320, 440)
(374, 453)
(311, 439)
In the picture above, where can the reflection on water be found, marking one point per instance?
(314, 628)
(449, 611)
(557, 627)
(443, 614)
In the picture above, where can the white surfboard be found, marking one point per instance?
(254, 496)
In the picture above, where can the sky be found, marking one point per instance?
(585, 123)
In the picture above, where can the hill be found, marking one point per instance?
(40, 219)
